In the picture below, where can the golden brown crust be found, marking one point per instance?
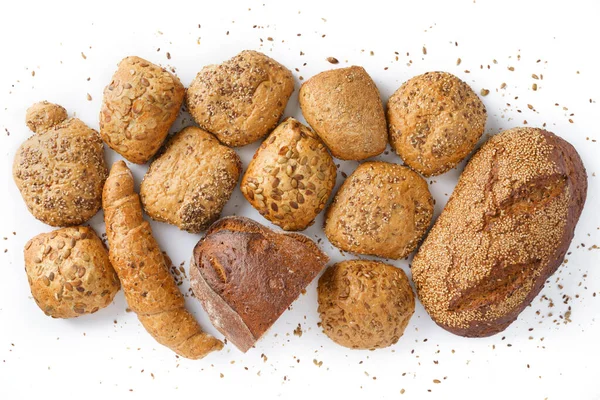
(188, 184)
(290, 177)
(242, 99)
(42, 116)
(149, 288)
(365, 304)
(382, 209)
(435, 120)
(344, 108)
(69, 272)
(140, 104)
(246, 276)
(504, 231)
(60, 171)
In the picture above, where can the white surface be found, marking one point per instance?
(537, 357)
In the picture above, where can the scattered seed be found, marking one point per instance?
(332, 60)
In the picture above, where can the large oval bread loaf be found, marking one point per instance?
(504, 231)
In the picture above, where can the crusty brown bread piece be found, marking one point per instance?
(504, 231)
(60, 171)
(246, 276)
(149, 288)
(435, 120)
(69, 272)
(139, 106)
(290, 177)
(365, 304)
(382, 209)
(344, 108)
(242, 99)
(191, 180)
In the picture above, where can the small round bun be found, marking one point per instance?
(69, 272)
(435, 120)
(42, 116)
(365, 304)
(382, 209)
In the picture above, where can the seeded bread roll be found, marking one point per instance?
(140, 104)
(504, 231)
(290, 177)
(69, 272)
(344, 108)
(188, 184)
(365, 304)
(246, 276)
(60, 170)
(382, 209)
(241, 100)
(435, 120)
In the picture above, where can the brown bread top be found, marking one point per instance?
(504, 231)
(246, 276)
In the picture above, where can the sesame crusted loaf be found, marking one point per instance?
(246, 276)
(504, 231)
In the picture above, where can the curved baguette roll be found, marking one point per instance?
(149, 288)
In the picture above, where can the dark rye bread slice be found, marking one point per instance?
(504, 231)
(246, 276)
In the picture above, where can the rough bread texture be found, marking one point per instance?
(504, 231)
(190, 182)
(60, 171)
(69, 272)
(149, 288)
(435, 120)
(246, 276)
(290, 177)
(344, 107)
(365, 304)
(242, 99)
(382, 209)
(140, 104)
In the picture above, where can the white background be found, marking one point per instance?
(109, 353)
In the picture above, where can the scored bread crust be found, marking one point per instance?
(246, 275)
(504, 231)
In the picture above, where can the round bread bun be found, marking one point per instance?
(365, 304)
(242, 99)
(60, 171)
(435, 120)
(381, 209)
(69, 272)
(291, 176)
(190, 182)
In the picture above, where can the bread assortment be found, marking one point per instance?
(504, 231)
(188, 184)
(139, 106)
(241, 100)
(365, 304)
(60, 170)
(69, 272)
(435, 120)
(246, 276)
(149, 288)
(290, 177)
(344, 108)
(382, 209)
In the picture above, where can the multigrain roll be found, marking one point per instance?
(140, 104)
(435, 120)
(190, 182)
(60, 171)
(344, 108)
(242, 99)
(291, 176)
(365, 304)
(382, 209)
(69, 272)
(504, 231)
